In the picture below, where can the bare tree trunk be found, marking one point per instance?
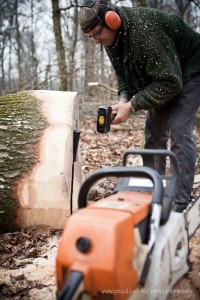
(19, 45)
(59, 46)
(2, 76)
(89, 59)
(9, 65)
(182, 6)
(154, 3)
(33, 60)
(74, 44)
(102, 66)
(142, 3)
(133, 2)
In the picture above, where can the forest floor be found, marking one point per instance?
(27, 258)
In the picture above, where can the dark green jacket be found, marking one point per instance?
(155, 55)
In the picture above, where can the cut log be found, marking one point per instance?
(36, 158)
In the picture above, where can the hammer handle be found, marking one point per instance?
(113, 114)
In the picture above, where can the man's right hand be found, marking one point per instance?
(124, 109)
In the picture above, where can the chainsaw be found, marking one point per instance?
(129, 245)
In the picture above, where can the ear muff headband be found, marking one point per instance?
(111, 19)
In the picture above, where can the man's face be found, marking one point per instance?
(103, 35)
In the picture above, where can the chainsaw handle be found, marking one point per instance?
(147, 172)
(153, 152)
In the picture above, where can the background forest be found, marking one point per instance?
(42, 46)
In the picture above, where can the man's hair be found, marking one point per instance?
(93, 12)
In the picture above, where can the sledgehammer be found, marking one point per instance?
(104, 117)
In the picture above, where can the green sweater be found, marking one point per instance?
(155, 55)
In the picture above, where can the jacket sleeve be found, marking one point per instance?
(121, 83)
(118, 68)
(162, 67)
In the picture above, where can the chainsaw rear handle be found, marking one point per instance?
(153, 152)
(147, 172)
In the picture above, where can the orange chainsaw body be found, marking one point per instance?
(109, 226)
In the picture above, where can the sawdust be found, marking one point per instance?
(27, 258)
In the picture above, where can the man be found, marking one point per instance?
(156, 58)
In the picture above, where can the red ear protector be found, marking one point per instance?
(112, 20)
(105, 12)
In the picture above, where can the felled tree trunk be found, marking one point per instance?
(36, 158)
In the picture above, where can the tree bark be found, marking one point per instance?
(36, 158)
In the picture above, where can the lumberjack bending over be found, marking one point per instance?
(156, 57)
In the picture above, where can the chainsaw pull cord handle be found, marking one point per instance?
(147, 172)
